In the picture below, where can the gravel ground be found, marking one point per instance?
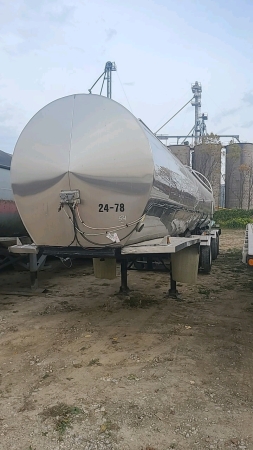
(82, 367)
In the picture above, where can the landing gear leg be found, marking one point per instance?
(124, 288)
(173, 292)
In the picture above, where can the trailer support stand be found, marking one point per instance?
(33, 271)
(173, 292)
(123, 271)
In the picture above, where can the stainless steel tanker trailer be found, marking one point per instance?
(90, 179)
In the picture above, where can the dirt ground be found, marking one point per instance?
(82, 367)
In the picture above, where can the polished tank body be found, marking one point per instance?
(10, 222)
(125, 176)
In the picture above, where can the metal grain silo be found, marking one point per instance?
(206, 159)
(239, 176)
(182, 152)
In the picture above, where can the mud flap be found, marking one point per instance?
(104, 268)
(185, 265)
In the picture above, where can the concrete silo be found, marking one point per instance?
(182, 152)
(239, 176)
(206, 159)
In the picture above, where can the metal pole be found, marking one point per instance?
(188, 135)
(196, 119)
(174, 115)
(33, 271)
(109, 82)
(124, 288)
(173, 292)
(196, 90)
(109, 68)
(95, 83)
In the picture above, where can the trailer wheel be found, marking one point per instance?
(218, 244)
(206, 258)
(214, 247)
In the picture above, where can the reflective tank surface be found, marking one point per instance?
(120, 174)
(10, 222)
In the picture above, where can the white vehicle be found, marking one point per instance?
(247, 251)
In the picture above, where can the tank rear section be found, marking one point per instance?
(87, 173)
(91, 146)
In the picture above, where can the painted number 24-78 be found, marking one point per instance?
(104, 207)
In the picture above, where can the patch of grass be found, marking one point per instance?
(94, 362)
(132, 377)
(233, 253)
(47, 310)
(77, 365)
(148, 448)
(250, 285)
(45, 376)
(238, 268)
(139, 300)
(28, 405)
(108, 426)
(228, 286)
(204, 291)
(62, 415)
(233, 218)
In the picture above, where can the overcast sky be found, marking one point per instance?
(53, 48)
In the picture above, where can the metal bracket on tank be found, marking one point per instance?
(70, 197)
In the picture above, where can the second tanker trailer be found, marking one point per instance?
(10, 222)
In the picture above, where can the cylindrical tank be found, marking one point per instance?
(182, 152)
(91, 146)
(239, 176)
(10, 222)
(206, 159)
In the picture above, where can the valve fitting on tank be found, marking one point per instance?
(140, 225)
(70, 198)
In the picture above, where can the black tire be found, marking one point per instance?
(218, 244)
(206, 258)
(214, 248)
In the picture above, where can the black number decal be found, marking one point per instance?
(117, 207)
